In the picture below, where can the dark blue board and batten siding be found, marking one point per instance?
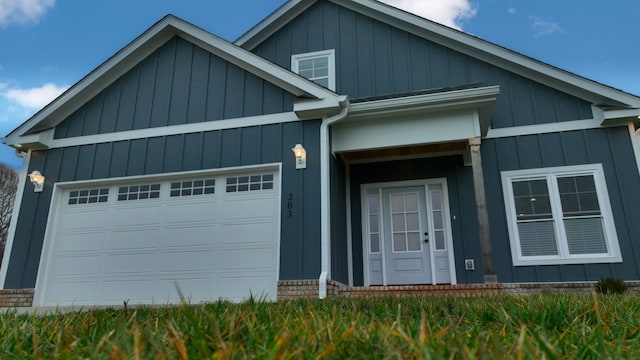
(376, 59)
(610, 147)
(180, 83)
(112, 111)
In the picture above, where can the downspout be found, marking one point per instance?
(325, 196)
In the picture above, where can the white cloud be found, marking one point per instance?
(34, 98)
(511, 11)
(446, 12)
(19, 104)
(23, 11)
(543, 27)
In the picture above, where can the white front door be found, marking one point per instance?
(407, 233)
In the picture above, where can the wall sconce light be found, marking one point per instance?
(301, 156)
(37, 180)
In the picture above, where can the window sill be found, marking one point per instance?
(567, 261)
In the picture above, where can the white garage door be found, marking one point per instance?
(199, 238)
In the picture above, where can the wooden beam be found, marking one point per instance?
(483, 215)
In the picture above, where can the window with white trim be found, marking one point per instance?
(318, 67)
(559, 215)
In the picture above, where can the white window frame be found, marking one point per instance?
(329, 54)
(563, 257)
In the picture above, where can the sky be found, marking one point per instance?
(46, 46)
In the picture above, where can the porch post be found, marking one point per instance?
(483, 216)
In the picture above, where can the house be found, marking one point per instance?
(423, 155)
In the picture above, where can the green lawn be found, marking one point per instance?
(519, 327)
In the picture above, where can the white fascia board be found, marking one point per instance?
(272, 23)
(142, 47)
(38, 141)
(633, 114)
(260, 67)
(174, 129)
(456, 99)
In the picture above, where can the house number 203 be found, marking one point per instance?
(289, 205)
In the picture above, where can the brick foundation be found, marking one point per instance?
(16, 298)
(295, 289)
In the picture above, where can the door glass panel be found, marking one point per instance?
(374, 222)
(413, 222)
(375, 243)
(440, 244)
(398, 222)
(399, 242)
(436, 200)
(437, 219)
(411, 202)
(413, 239)
(397, 203)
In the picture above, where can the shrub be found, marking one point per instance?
(611, 286)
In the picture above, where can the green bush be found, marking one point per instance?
(611, 286)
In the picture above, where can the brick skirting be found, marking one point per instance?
(295, 289)
(16, 298)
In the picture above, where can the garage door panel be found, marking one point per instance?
(248, 233)
(134, 264)
(81, 242)
(186, 212)
(133, 239)
(73, 293)
(136, 216)
(192, 289)
(87, 264)
(246, 259)
(244, 208)
(184, 236)
(197, 260)
(82, 220)
(133, 246)
(129, 290)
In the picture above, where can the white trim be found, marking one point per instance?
(17, 204)
(563, 257)
(174, 129)
(544, 128)
(331, 59)
(58, 188)
(408, 183)
(635, 143)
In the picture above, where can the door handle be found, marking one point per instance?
(426, 239)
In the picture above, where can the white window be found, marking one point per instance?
(560, 215)
(318, 67)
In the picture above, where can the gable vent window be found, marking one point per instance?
(193, 188)
(318, 67)
(250, 183)
(139, 192)
(90, 196)
(559, 216)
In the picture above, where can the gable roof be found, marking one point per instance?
(599, 94)
(313, 100)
